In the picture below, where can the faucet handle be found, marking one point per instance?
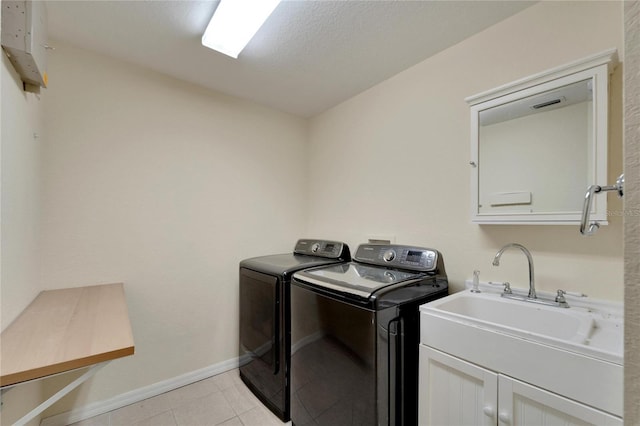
(507, 288)
(560, 300)
(560, 296)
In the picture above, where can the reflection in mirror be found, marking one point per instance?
(535, 152)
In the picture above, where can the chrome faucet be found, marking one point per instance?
(496, 262)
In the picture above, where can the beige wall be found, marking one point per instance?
(165, 187)
(21, 193)
(632, 206)
(149, 181)
(394, 160)
(21, 115)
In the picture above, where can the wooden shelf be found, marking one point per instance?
(62, 330)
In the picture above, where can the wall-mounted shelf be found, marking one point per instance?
(63, 330)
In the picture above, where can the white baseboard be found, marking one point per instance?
(137, 395)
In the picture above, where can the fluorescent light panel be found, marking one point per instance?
(234, 23)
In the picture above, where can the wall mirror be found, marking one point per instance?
(538, 143)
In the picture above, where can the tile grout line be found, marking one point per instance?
(232, 385)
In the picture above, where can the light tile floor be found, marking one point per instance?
(220, 400)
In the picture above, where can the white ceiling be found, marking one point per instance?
(309, 56)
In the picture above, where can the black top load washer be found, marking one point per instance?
(355, 331)
(265, 349)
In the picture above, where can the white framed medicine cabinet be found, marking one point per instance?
(539, 142)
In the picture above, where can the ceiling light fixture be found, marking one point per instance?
(234, 23)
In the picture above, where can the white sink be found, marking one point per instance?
(585, 330)
(508, 314)
(551, 347)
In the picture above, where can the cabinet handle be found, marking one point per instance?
(504, 417)
(488, 411)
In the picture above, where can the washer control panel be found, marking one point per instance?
(398, 256)
(322, 248)
(389, 255)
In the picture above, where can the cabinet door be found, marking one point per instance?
(523, 404)
(455, 392)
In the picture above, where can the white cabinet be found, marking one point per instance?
(527, 134)
(522, 404)
(455, 392)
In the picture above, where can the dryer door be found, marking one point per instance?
(260, 319)
(262, 339)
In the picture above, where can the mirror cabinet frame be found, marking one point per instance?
(597, 67)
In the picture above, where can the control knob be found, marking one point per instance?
(389, 255)
(315, 247)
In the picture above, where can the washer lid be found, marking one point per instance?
(354, 278)
(283, 264)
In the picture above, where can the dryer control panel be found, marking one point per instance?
(322, 248)
(398, 256)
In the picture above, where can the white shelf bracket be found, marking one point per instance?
(58, 395)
